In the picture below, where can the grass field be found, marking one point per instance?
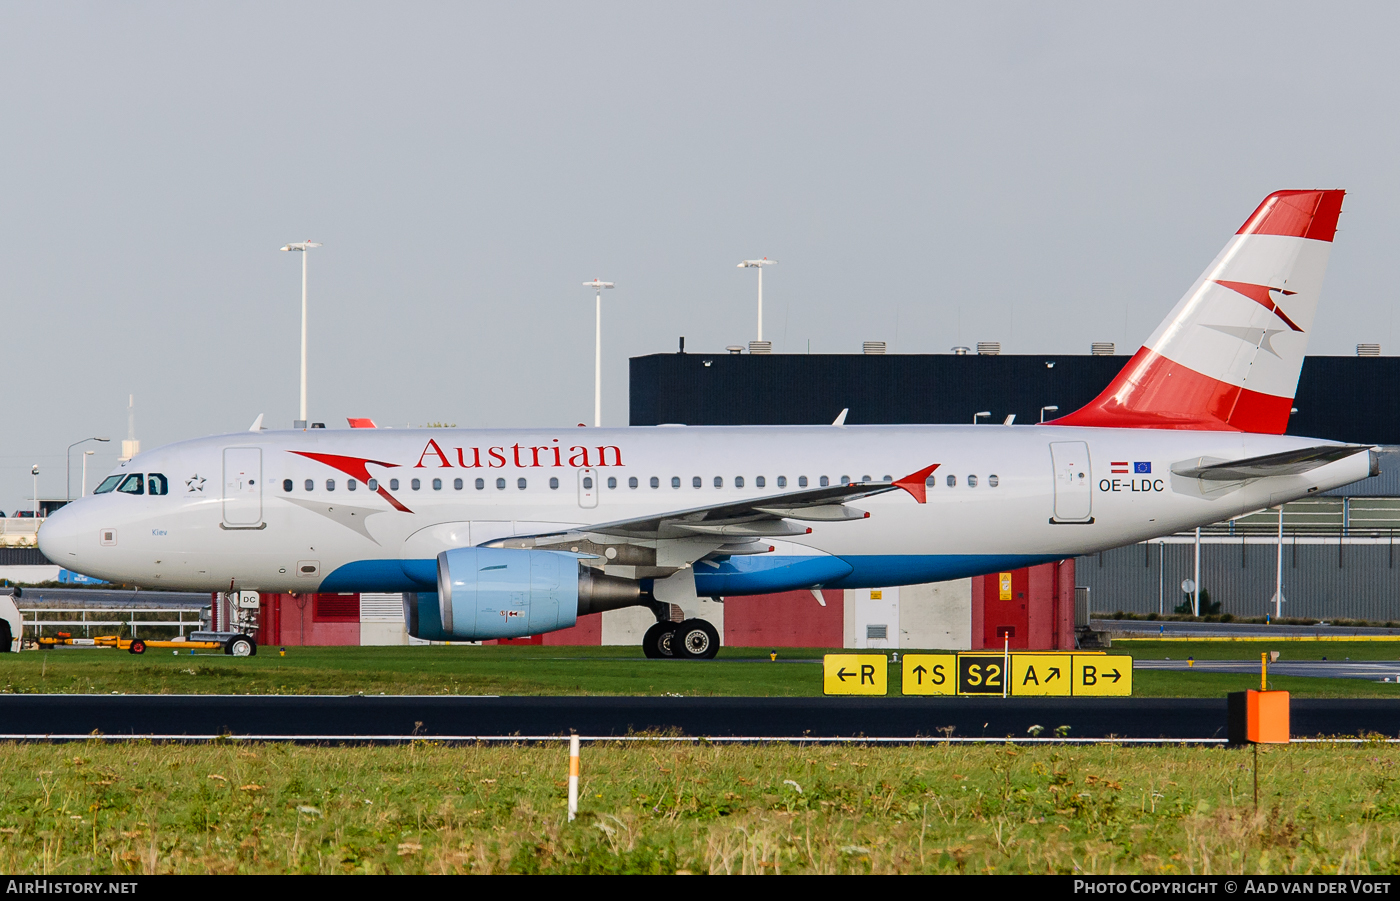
(534, 670)
(656, 807)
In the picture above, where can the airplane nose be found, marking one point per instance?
(58, 537)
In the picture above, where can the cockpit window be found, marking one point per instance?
(132, 484)
(157, 484)
(108, 484)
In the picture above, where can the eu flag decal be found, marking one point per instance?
(1142, 469)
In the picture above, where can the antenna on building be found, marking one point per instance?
(130, 447)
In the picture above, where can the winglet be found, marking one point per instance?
(841, 418)
(914, 483)
(257, 425)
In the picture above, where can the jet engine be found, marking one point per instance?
(486, 593)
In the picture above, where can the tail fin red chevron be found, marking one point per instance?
(1228, 356)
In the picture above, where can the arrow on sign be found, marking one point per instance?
(919, 671)
(1054, 674)
(1115, 674)
(842, 674)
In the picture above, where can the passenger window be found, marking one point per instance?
(393, 484)
(612, 482)
(415, 484)
(351, 484)
(719, 482)
(632, 482)
(310, 485)
(437, 484)
(500, 484)
(587, 481)
(553, 483)
(372, 484)
(972, 481)
(801, 481)
(107, 484)
(157, 484)
(655, 482)
(931, 482)
(824, 482)
(887, 479)
(330, 484)
(694, 481)
(738, 481)
(675, 481)
(132, 484)
(480, 484)
(846, 480)
(520, 483)
(456, 484)
(782, 481)
(993, 481)
(760, 482)
(952, 481)
(287, 485)
(862, 478)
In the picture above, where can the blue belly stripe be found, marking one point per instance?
(735, 576)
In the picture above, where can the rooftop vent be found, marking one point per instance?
(961, 351)
(873, 347)
(1368, 350)
(760, 347)
(735, 348)
(1101, 349)
(988, 348)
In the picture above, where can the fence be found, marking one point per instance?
(1324, 577)
(30, 618)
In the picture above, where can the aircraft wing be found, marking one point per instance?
(1287, 463)
(769, 516)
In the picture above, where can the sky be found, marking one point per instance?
(926, 174)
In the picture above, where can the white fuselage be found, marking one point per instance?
(229, 521)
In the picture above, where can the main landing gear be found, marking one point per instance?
(693, 639)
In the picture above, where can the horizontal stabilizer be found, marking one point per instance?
(1288, 463)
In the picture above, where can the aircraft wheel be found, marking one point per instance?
(695, 639)
(137, 646)
(241, 646)
(657, 644)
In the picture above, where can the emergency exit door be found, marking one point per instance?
(588, 488)
(243, 487)
(1074, 483)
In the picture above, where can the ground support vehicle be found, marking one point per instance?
(235, 644)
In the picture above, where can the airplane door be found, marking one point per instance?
(243, 487)
(1073, 481)
(588, 488)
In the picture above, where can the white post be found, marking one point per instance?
(1278, 569)
(598, 364)
(36, 492)
(1005, 664)
(760, 303)
(1161, 577)
(1196, 592)
(304, 254)
(573, 777)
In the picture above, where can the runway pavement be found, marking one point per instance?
(1370, 670)
(338, 717)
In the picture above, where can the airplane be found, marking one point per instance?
(512, 532)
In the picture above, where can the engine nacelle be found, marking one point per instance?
(486, 593)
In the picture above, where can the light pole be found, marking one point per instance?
(35, 473)
(86, 454)
(983, 415)
(598, 287)
(759, 264)
(303, 247)
(68, 462)
(1044, 410)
